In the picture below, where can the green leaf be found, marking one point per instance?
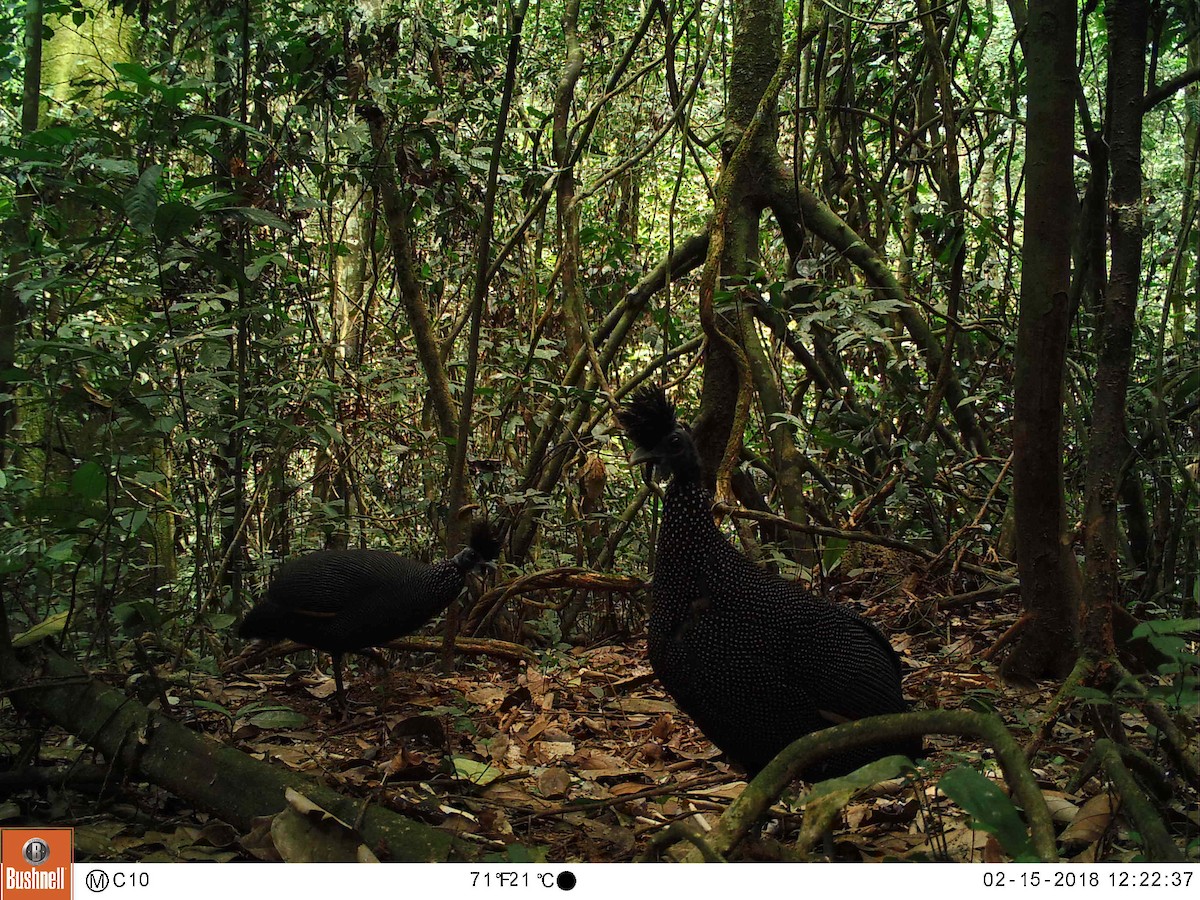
(257, 216)
(833, 442)
(141, 202)
(54, 136)
(1166, 626)
(138, 614)
(135, 73)
(174, 219)
(63, 551)
(992, 811)
(834, 550)
(46, 628)
(474, 771)
(89, 481)
(279, 719)
(220, 621)
(213, 707)
(224, 120)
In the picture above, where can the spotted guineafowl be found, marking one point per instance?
(348, 600)
(756, 661)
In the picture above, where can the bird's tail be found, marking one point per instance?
(266, 621)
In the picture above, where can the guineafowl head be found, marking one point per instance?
(481, 551)
(659, 439)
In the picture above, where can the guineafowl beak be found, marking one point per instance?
(488, 567)
(644, 457)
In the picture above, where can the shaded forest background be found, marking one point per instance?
(285, 276)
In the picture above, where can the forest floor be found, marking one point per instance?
(585, 758)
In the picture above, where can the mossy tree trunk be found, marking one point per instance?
(1049, 574)
(757, 47)
(16, 229)
(1108, 445)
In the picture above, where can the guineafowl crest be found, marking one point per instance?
(648, 417)
(483, 546)
(661, 440)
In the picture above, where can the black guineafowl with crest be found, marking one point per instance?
(754, 659)
(343, 601)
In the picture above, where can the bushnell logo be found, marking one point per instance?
(35, 863)
(36, 851)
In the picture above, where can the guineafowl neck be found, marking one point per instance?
(689, 494)
(688, 532)
(445, 582)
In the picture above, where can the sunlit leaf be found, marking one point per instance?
(48, 627)
(141, 202)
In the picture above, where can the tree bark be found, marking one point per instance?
(16, 229)
(1108, 445)
(398, 216)
(1049, 574)
(757, 51)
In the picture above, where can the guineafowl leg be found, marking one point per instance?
(337, 680)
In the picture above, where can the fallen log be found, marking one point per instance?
(216, 778)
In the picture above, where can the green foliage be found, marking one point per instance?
(991, 809)
(1179, 688)
(272, 716)
(216, 369)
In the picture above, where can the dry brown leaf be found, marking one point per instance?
(720, 792)
(1063, 807)
(627, 787)
(993, 852)
(549, 751)
(323, 689)
(512, 795)
(642, 705)
(486, 695)
(597, 759)
(1091, 821)
(554, 783)
(556, 733)
(965, 844)
(662, 728)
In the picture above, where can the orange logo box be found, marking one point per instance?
(35, 863)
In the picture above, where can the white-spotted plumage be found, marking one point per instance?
(347, 600)
(755, 660)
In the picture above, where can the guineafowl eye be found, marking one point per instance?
(755, 660)
(344, 601)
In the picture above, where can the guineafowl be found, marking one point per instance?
(348, 600)
(756, 661)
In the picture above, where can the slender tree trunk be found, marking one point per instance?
(1049, 575)
(397, 211)
(232, 55)
(568, 211)
(16, 229)
(757, 49)
(1108, 446)
(16, 237)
